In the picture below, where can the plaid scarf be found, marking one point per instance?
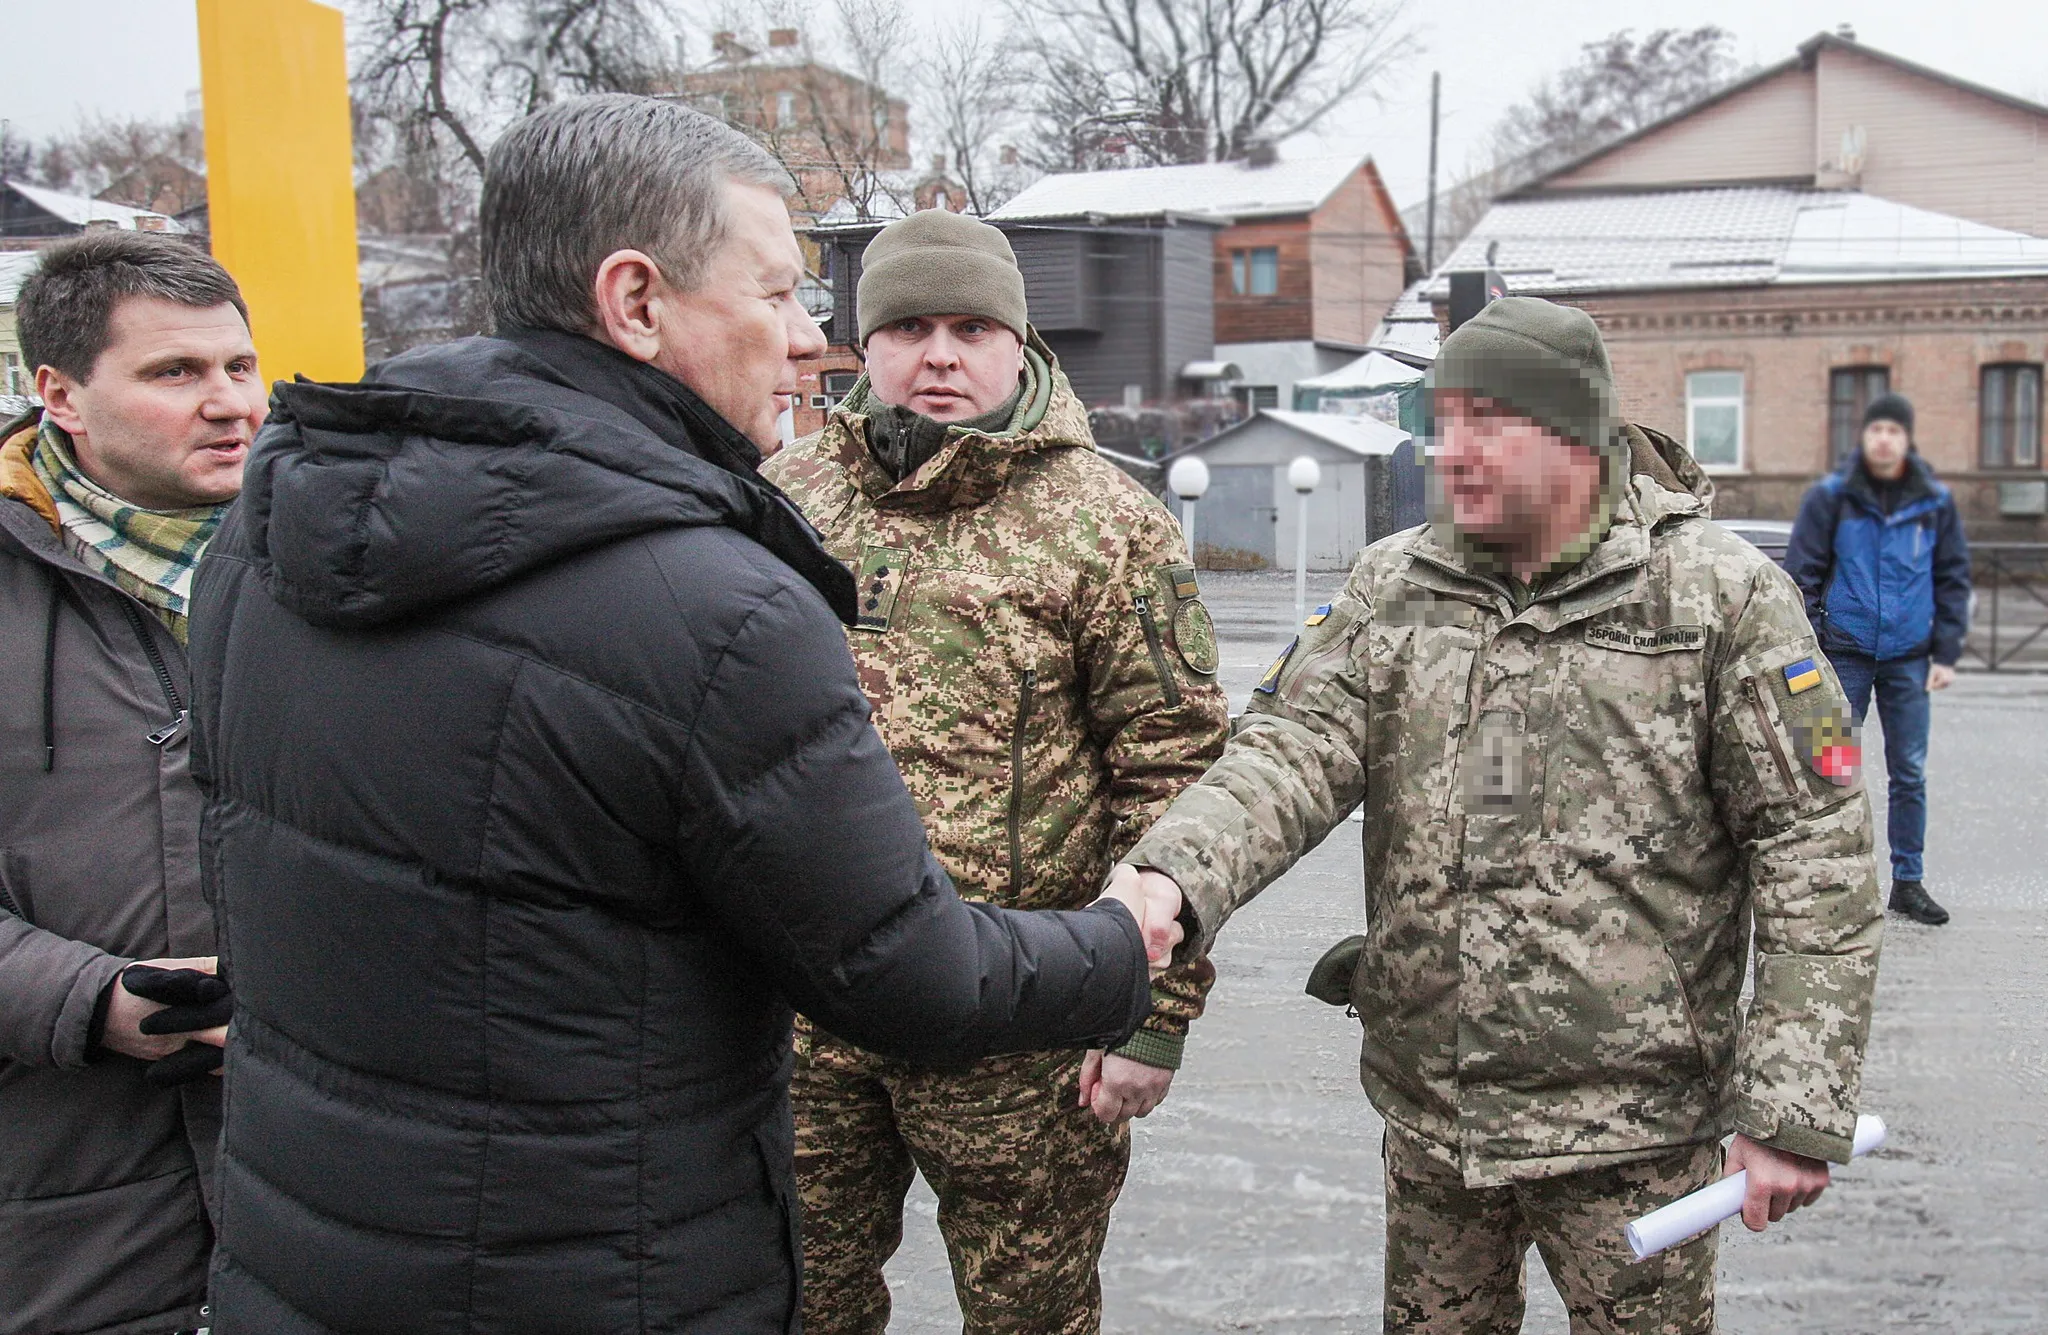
(151, 554)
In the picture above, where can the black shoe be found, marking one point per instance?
(1910, 898)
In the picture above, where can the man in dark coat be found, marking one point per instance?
(108, 495)
(541, 788)
(1878, 551)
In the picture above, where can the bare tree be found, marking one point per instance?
(1617, 86)
(464, 68)
(1143, 82)
(151, 164)
(973, 98)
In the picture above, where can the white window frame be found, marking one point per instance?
(1738, 400)
(785, 109)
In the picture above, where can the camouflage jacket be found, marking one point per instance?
(1035, 649)
(1572, 812)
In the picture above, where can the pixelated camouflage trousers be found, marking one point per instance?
(1025, 1180)
(1454, 1253)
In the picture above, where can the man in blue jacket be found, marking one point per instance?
(1878, 551)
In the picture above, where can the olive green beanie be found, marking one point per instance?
(939, 263)
(1544, 361)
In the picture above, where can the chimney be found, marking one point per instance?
(782, 37)
(938, 164)
(1261, 153)
(1846, 31)
(1009, 155)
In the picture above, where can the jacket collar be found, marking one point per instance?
(973, 466)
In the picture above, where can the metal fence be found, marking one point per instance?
(2010, 606)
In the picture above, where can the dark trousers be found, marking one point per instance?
(1901, 687)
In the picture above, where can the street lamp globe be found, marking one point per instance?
(1304, 474)
(1189, 478)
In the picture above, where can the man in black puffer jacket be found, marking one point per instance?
(541, 788)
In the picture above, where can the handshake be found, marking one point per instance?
(1155, 901)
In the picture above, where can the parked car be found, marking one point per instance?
(1771, 536)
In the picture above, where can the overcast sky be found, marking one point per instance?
(143, 58)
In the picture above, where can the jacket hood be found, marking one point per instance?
(449, 471)
(1664, 479)
(973, 466)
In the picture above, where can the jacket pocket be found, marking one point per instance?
(1767, 725)
(1150, 625)
(1027, 697)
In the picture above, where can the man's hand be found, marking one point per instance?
(1154, 900)
(1940, 677)
(127, 1011)
(1119, 1089)
(1779, 1183)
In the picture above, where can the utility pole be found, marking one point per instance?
(1429, 227)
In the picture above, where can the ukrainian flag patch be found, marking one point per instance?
(1801, 676)
(1319, 616)
(1270, 683)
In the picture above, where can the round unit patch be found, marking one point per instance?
(1195, 636)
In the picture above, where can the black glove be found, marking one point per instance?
(192, 1001)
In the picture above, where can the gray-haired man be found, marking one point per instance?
(542, 788)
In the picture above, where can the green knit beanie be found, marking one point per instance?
(939, 263)
(1544, 361)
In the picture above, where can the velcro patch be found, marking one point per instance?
(1646, 639)
(1270, 683)
(1832, 747)
(1319, 616)
(1185, 584)
(1194, 635)
(1801, 676)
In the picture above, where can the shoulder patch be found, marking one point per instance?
(1319, 616)
(1801, 676)
(1194, 636)
(1270, 683)
(1185, 585)
(1646, 639)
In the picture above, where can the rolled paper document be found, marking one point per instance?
(1703, 1209)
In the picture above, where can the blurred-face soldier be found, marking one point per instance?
(1041, 666)
(1878, 550)
(541, 788)
(110, 1014)
(1596, 745)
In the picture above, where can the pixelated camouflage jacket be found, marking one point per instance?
(1571, 814)
(1036, 652)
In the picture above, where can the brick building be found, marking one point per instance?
(838, 133)
(1766, 262)
(1310, 256)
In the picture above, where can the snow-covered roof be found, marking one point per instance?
(1728, 237)
(1408, 329)
(81, 210)
(1367, 437)
(1208, 189)
(14, 267)
(1375, 370)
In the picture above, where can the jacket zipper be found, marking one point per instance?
(1763, 720)
(162, 670)
(1167, 682)
(7, 902)
(1027, 692)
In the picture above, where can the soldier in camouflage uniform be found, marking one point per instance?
(1596, 744)
(1042, 668)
